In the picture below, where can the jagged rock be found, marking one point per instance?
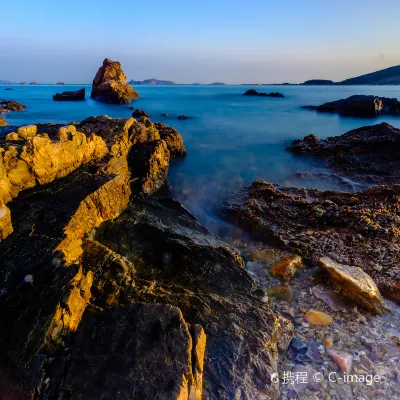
(354, 283)
(152, 354)
(253, 92)
(76, 95)
(140, 113)
(172, 138)
(331, 298)
(266, 256)
(360, 229)
(370, 153)
(27, 132)
(343, 359)
(12, 137)
(3, 122)
(360, 106)
(178, 262)
(183, 117)
(109, 84)
(11, 105)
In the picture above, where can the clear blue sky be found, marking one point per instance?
(203, 41)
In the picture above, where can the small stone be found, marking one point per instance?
(302, 310)
(343, 359)
(281, 292)
(318, 318)
(261, 255)
(287, 267)
(327, 343)
(28, 279)
(183, 117)
(329, 297)
(366, 363)
(297, 345)
(289, 311)
(305, 324)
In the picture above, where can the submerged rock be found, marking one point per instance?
(70, 96)
(343, 359)
(140, 113)
(370, 153)
(331, 298)
(319, 318)
(183, 117)
(264, 256)
(287, 267)
(109, 84)
(360, 229)
(354, 283)
(253, 92)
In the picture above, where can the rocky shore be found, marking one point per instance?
(109, 288)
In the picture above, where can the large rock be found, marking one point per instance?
(70, 96)
(359, 229)
(109, 84)
(354, 283)
(154, 355)
(360, 106)
(253, 92)
(3, 122)
(11, 105)
(370, 153)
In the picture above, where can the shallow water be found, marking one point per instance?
(231, 139)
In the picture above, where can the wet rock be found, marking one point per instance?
(147, 348)
(366, 363)
(311, 354)
(172, 138)
(140, 113)
(253, 92)
(354, 283)
(11, 105)
(266, 256)
(329, 297)
(359, 229)
(343, 359)
(304, 375)
(13, 136)
(370, 153)
(298, 346)
(183, 117)
(318, 318)
(27, 132)
(164, 115)
(3, 122)
(327, 343)
(281, 292)
(287, 267)
(109, 84)
(76, 95)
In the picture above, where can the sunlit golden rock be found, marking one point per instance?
(319, 318)
(287, 267)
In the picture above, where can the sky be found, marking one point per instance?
(246, 41)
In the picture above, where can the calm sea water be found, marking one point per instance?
(231, 139)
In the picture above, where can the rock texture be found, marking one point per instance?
(11, 105)
(253, 92)
(370, 153)
(70, 96)
(3, 122)
(107, 291)
(109, 84)
(360, 106)
(358, 229)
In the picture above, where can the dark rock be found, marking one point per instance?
(298, 346)
(172, 138)
(11, 105)
(70, 96)
(109, 84)
(164, 115)
(140, 113)
(253, 92)
(318, 82)
(360, 106)
(131, 108)
(9, 88)
(183, 117)
(370, 153)
(357, 229)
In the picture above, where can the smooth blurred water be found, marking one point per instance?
(231, 139)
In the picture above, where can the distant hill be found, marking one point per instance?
(152, 81)
(218, 83)
(318, 82)
(388, 76)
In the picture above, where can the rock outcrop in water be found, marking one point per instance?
(253, 92)
(107, 289)
(11, 105)
(76, 95)
(110, 86)
(360, 106)
(356, 229)
(370, 153)
(3, 122)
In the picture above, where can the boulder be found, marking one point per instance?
(369, 153)
(355, 284)
(359, 229)
(140, 113)
(172, 138)
(70, 96)
(27, 131)
(253, 92)
(110, 86)
(11, 105)
(3, 122)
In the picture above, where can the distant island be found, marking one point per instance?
(387, 76)
(218, 83)
(151, 81)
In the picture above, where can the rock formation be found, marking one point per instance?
(357, 229)
(140, 113)
(370, 153)
(107, 289)
(70, 96)
(10, 105)
(3, 122)
(109, 84)
(360, 106)
(252, 92)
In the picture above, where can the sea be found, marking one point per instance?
(231, 139)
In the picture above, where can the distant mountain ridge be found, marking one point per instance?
(387, 76)
(151, 81)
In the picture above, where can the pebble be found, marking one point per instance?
(297, 345)
(327, 343)
(305, 324)
(343, 359)
(28, 279)
(318, 318)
